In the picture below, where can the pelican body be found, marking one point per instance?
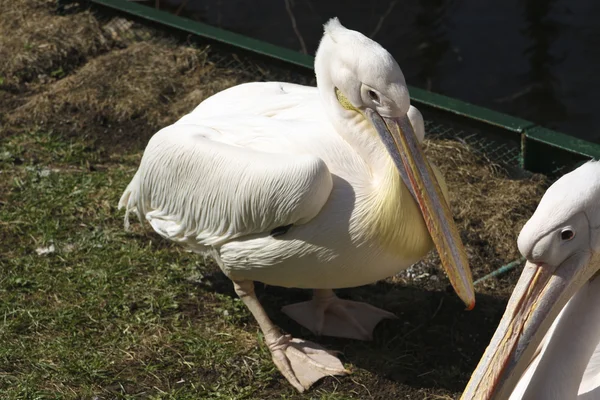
(304, 187)
(353, 215)
(546, 345)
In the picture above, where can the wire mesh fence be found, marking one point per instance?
(504, 153)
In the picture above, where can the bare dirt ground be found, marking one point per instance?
(107, 314)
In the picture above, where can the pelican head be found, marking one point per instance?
(561, 242)
(364, 91)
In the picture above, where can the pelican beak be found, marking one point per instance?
(541, 293)
(401, 142)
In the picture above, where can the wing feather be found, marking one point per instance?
(201, 192)
(267, 99)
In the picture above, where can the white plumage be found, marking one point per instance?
(193, 162)
(303, 187)
(278, 169)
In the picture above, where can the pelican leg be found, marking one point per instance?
(301, 362)
(326, 314)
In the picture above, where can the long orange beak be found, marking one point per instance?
(538, 298)
(401, 142)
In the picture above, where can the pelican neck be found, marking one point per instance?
(570, 347)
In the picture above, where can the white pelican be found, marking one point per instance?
(302, 187)
(530, 356)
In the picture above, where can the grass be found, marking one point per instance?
(91, 311)
(108, 313)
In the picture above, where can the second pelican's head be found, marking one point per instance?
(561, 242)
(362, 86)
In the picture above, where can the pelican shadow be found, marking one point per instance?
(434, 343)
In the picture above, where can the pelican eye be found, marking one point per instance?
(374, 96)
(567, 234)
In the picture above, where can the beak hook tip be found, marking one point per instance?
(471, 305)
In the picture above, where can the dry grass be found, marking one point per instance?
(138, 82)
(36, 44)
(489, 207)
(141, 81)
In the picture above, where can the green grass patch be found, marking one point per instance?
(88, 310)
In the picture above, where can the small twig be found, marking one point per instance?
(183, 3)
(310, 5)
(293, 19)
(360, 384)
(516, 95)
(383, 17)
(412, 331)
(437, 310)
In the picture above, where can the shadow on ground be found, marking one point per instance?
(434, 344)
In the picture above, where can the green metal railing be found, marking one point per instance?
(535, 148)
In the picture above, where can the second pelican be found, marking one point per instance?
(546, 346)
(297, 188)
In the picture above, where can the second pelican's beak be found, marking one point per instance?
(401, 142)
(541, 293)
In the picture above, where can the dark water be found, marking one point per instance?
(536, 59)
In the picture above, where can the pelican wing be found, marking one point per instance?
(201, 191)
(267, 99)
